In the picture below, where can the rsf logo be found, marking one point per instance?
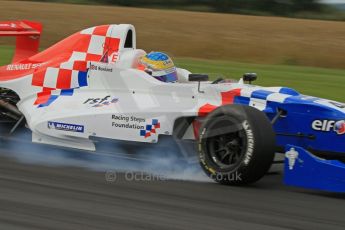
(329, 125)
(99, 102)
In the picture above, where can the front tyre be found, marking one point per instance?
(236, 145)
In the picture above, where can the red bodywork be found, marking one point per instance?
(27, 35)
(62, 62)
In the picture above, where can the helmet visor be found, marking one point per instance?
(169, 75)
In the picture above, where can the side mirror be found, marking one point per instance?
(197, 77)
(249, 77)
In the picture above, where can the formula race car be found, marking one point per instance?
(94, 84)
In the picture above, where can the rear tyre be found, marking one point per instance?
(236, 145)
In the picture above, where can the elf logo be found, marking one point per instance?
(329, 125)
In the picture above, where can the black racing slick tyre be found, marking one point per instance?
(236, 145)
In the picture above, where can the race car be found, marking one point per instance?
(97, 84)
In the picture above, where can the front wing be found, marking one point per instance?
(302, 169)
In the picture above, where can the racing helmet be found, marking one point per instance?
(160, 66)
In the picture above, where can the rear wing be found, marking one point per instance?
(27, 35)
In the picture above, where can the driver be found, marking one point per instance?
(159, 65)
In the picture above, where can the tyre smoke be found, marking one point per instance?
(167, 159)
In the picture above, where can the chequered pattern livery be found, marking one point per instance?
(70, 72)
(150, 128)
(304, 125)
(258, 98)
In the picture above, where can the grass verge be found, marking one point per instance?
(321, 82)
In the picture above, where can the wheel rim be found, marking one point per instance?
(227, 150)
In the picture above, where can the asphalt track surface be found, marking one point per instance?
(38, 195)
